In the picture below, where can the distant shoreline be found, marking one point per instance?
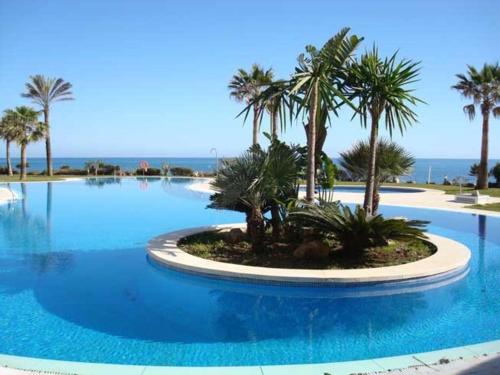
(439, 167)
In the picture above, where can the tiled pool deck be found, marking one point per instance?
(490, 348)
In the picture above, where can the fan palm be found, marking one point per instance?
(483, 87)
(44, 91)
(6, 134)
(380, 85)
(392, 161)
(25, 128)
(247, 86)
(258, 182)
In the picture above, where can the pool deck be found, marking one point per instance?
(424, 198)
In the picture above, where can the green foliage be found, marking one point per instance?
(392, 161)
(381, 88)
(483, 87)
(355, 230)
(474, 170)
(257, 182)
(148, 172)
(495, 173)
(181, 171)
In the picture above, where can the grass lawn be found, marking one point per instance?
(15, 178)
(487, 207)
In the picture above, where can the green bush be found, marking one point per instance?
(148, 172)
(76, 172)
(3, 170)
(495, 173)
(181, 171)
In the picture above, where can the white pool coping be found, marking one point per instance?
(427, 359)
(450, 256)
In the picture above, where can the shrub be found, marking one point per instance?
(65, 167)
(354, 230)
(495, 173)
(148, 172)
(3, 170)
(76, 172)
(181, 171)
(474, 170)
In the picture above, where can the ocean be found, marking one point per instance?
(451, 168)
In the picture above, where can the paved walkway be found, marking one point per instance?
(488, 365)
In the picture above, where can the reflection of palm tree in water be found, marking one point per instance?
(481, 248)
(249, 317)
(28, 235)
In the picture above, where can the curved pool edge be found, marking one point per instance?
(450, 258)
(338, 368)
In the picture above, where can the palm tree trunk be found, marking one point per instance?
(276, 221)
(23, 162)
(311, 146)
(370, 182)
(274, 124)
(48, 146)
(7, 157)
(256, 228)
(256, 114)
(482, 180)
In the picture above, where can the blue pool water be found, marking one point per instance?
(75, 284)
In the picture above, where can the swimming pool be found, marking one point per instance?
(75, 284)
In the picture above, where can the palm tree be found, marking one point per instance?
(44, 91)
(6, 134)
(317, 88)
(483, 87)
(25, 128)
(246, 86)
(392, 161)
(380, 85)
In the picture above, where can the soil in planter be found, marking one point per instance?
(214, 245)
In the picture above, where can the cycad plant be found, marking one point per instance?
(483, 87)
(25, 128)
(381, 88)
(356, 231)
(44, 91)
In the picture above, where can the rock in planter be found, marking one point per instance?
(235, 235)
(312, 250)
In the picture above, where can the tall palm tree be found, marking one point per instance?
(44, 91)
(317, 88)
(24, 125)
(380, 86)
(483, 87)
(246, 86)
(6, 134)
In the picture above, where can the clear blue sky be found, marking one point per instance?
(150, 77)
